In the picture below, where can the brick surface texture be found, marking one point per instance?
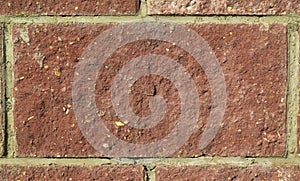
(166, 173)
(254, 68)
(103, 173)
(239, 7)
(65, 111)
(74, 7)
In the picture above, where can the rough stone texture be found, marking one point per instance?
(105, 173)
(74, 7)
(239, 7)
(227, 173)
(45, 57)
(253, 59)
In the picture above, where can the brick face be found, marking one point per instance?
(255, 72)
(43, 73)
(69, 7)
(254, 68)
(166, 173)
(207, 7)
(103, 173)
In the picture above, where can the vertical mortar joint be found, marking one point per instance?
(292, 90)
(7, 75)
(149, 173)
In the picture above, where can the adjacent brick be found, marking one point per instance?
(74, 7)
(253, 59)
(166, 173)
(238, 7)
(71, 173)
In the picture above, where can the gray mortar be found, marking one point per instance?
(292, 91)
(10, 148)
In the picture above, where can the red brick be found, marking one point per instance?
(71, 173)
(238, 7)
(69, 7)
(253, 59)
(166, 173)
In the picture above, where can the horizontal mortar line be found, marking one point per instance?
(128, 19)
(201, 161)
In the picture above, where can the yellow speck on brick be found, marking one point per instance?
(229, 8)
(266, 139)
(57, 73)
(8, 4)
(119, 124)
(30, 118)
(76, 8)
(267, 117)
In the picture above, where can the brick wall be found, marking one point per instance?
(245, 51)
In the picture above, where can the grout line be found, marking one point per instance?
(149, 173)
(143, 8)
(151, 163)
(292, 92)
(143, 17)
(3, 117)
(8, 79)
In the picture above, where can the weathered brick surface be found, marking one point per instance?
(103, 173)
(238, 7)
(255, 73)
(253, 59)
(74, 7)
(166, 173)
